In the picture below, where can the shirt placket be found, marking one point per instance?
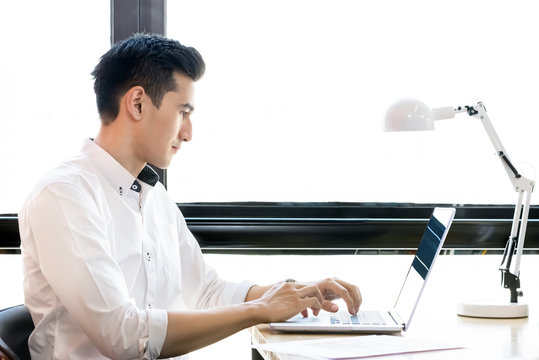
(149, 259)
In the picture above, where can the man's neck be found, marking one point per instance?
(114, 140)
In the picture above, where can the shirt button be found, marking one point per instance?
(149, 306)
(148, 256)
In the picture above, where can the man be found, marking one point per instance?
(110, 267)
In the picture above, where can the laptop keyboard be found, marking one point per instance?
(362, 317)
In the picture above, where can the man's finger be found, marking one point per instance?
(354, 296)
(313, 303)
(310, 291)
(330, 306)
(334, 288)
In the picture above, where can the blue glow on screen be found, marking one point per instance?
(428, 247)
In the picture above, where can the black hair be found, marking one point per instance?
(142, 60)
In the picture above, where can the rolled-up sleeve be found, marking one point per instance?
(156, 334)
(203, 288)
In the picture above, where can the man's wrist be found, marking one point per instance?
(256, 291)
(258, 311)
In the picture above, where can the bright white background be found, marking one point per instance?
(293, 100)
(292, 104)
(47, 102)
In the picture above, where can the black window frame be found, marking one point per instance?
(319, 228)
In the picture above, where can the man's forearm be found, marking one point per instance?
(191, 330)
(256, 291)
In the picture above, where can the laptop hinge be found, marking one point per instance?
(397, 319)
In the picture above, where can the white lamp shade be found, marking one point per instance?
(409, 115)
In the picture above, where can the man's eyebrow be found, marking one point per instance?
(190, 107)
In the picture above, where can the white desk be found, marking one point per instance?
(454, 278)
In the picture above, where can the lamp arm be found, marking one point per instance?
(523, 186)
(515, 245)
(480, 112)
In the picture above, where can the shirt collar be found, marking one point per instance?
(115, 174)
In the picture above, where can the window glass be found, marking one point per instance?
(291, 107)
(47, 103)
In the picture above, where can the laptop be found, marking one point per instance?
(389, 321)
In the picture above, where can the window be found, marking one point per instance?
(47, 103)
(292, 104)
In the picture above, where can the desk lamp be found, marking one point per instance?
(411, 115)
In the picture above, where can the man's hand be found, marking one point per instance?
(332, 289)
(286, 299)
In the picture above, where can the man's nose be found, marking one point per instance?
(186, 130)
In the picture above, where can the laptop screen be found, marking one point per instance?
(429, 248)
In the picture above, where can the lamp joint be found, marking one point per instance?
(512, 282)
(471, 111)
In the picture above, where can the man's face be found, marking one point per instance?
(163, 130)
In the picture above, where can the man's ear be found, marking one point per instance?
(134, 99)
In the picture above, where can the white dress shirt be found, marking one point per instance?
(105, 256)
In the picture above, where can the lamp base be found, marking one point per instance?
(483, 309)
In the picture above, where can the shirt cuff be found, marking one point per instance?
(158, 321)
